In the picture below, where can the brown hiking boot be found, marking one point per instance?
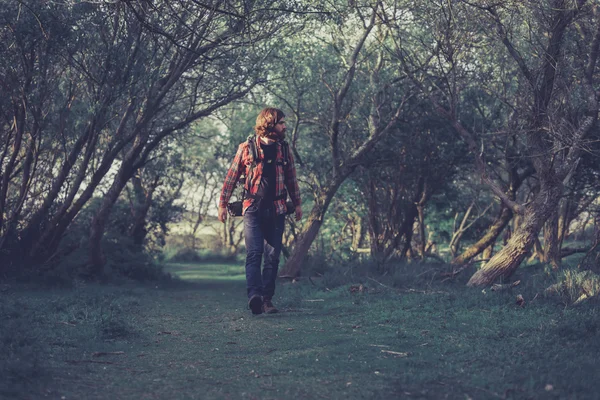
(255, 304)
(268, 307)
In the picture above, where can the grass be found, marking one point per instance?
(195, 340)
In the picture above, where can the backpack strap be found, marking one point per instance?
(285, 149)
(252, 148)
(251, 143)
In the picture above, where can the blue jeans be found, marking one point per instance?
(262, 232)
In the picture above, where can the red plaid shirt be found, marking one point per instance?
(285, 177)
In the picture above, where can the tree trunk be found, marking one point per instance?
(294, 263)
(50, 238)
(581, 235)
(313, 225)
(457, 233)
(96, 258)
(538, 251)
(231, 244)
(377, 234)
(357, 231)
(488, 252)
(423, 241)
(507, 260)
(551, 242)
(411, 215)
(566, 216)
(142, 200)
(490, 237)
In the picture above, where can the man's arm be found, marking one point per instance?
(291, 184)
(233, 175)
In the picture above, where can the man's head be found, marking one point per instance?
(270, 123)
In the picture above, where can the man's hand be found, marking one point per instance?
(298, 213)
(223, 214)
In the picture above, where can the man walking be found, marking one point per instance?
(270, 175)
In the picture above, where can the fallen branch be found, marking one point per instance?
(567, 251)
(395, 353)
(381, 284)
(496, 287)
(66, 323)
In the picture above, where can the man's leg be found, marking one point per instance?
(254, 240)
(273, 231)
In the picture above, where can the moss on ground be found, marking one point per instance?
(196, 340)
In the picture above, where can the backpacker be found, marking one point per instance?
(235, 208)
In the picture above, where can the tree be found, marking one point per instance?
(543, 118)
(357, 118)
(87, 102)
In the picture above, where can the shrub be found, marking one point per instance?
(123, 257)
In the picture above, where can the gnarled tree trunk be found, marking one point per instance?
(141, 202)
(313, 225)
(96, 257)
(508, 259)
(551, 241)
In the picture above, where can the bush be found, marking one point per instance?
(123, 257)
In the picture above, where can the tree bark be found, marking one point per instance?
(96, 259)
(421, 227)
(407, 230)
(537, 252)
(551, 242)
(356, 225)
(142, 200)
(488, 252)
(313, 225)
(508, 259)
(377, 235)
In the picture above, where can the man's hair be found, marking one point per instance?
(266, 121)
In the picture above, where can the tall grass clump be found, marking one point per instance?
(575, 286)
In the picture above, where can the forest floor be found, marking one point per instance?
(195, 339)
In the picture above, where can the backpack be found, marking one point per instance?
(254, 152)
(235, 208)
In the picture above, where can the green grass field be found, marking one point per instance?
(194, 339)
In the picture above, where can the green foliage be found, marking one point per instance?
(124, 258)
